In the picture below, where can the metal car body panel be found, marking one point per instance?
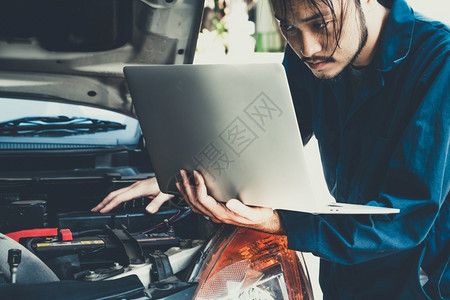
(58, 49)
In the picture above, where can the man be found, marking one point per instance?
(370, 80)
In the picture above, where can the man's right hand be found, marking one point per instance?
(145, 188)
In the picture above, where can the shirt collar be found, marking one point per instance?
(397, 36)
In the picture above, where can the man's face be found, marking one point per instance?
(315, 40)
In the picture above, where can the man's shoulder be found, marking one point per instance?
(432, 32)
(429, 47)
(431, 24)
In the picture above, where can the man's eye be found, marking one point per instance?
(286, 27)
(321, 25)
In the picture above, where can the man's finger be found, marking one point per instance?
(110, 197)
(186, 199)
(116, 201)
(187, 186)
(200, 186)
(156, 203)
(193, 198)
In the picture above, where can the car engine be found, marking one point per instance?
(48, 213)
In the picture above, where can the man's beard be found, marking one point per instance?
(364, 34)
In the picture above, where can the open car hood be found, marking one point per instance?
(74, 51)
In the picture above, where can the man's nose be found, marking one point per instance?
(310, 44)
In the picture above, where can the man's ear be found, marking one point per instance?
(369, 5)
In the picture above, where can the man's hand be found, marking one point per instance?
(233, 212)
(144, 188)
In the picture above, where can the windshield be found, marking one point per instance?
(38, 122)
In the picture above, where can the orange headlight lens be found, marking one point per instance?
(248, 264)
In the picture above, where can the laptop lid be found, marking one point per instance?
(235, 124)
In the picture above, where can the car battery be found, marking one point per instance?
(136, 221)
(48, 248)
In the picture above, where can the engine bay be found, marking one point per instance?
(50, 216)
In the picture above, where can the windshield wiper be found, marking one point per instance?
(56, 126)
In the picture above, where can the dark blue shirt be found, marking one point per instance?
(383, 143)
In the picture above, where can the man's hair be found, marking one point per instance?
(337, 22)
(314, 4)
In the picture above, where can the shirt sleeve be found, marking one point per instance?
(417, 182)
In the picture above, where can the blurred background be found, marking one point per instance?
(244, 31)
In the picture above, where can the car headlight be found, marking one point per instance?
(242, 263)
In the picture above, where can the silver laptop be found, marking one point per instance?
(236, 125)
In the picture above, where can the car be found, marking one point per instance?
(69, 135)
